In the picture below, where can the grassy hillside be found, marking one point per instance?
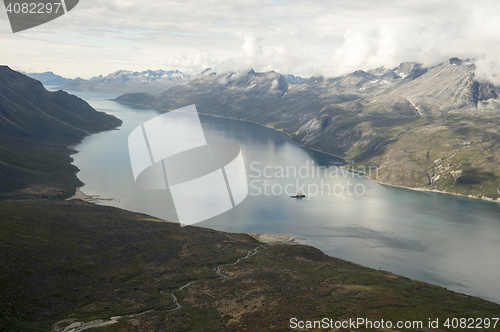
(86, 261)
(70, 262)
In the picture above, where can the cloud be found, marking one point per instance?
(428, 33)
(305, 38)
(195, 64)
(282, 58)
(337, 39)
(252, 50)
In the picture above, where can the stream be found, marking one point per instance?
(80, 326)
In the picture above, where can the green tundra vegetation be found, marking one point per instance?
(74, 261)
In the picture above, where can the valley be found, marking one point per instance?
(71, 261)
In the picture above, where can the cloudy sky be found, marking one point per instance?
(298, 37)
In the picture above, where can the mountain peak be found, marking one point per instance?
(460, 62)
(359, 73)
(455, 61)
(409, 70)
(207, 71)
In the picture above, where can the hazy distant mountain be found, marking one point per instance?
(36, 127)
(122, 81)
(233, 92)
(49, 78)
(431, 128)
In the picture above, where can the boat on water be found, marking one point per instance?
(298, 195)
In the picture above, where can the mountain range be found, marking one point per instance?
(121, 81)
(141, 78)
(426, 128)
(148, 81)
(36, 128)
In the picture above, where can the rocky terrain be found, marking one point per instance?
(427, 128)
(36, 128)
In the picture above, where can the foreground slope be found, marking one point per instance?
(75, 262)
(36, 128)
(433, 129)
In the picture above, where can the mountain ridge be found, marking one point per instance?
(36, 128)
(142, 78)
(122, 81)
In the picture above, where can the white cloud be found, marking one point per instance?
(195, 64)
(427, 32)
(299, 37)
(282, 58)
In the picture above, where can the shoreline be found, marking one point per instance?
(96, 199)
(275, 238)
(423, 189)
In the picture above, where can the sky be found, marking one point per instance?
(305, 38)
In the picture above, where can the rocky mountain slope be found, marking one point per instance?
(430, 128)
(36, 128)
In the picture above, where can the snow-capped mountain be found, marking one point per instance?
(142, 78)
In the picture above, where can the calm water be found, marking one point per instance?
(441, 239)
